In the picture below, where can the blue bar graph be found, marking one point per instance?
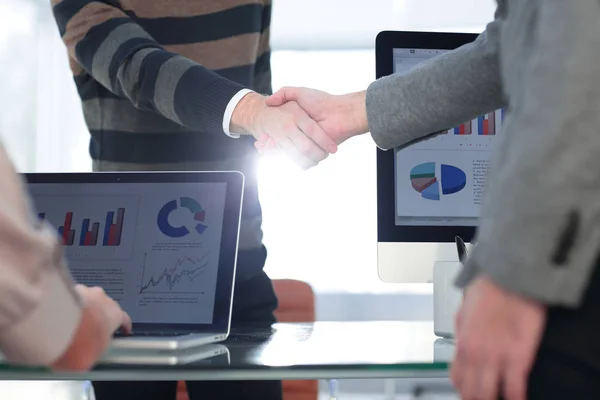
(109, 220)
(113, 229)
(85, 227)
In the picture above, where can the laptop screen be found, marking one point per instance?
(153, 247)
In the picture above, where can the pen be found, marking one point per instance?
(461, 248)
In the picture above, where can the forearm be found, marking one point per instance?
(243, 119)
(51, 315)
(39, 308)
(87, 344)
(539, 234)
(124, 58)
(438, 94)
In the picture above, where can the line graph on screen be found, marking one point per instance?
(180, 277)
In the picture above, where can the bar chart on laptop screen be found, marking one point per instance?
(92, 227)
(98, 233)
(89, 232)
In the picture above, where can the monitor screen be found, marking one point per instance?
(441, 181)
(153, 247)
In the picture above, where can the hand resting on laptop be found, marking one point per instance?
(101, 317)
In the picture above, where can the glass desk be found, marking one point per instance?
(323, 350)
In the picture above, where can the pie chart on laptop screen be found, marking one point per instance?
(433, 183)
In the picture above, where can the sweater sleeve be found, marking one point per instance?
(262, 70)
(440, 93)
(119, 54)
(539, 234)
(39, 308)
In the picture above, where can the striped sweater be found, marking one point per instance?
(155, 78)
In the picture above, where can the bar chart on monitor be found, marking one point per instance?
(486, 125)
(479, 134)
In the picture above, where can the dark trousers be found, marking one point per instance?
(253, 306)
(568, 362)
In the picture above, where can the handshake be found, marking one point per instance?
(305, 124)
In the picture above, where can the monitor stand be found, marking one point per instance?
(435, 263)
(446, 298)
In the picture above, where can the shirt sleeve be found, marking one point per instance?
(39, 308)
(119, 54)
(229, 112)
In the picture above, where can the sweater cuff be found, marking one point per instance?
(377, 96)
(43, 335)
(201, 103)
(392, 128)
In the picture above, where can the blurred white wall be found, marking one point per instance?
(354, 24)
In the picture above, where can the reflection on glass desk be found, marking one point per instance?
(323, 350)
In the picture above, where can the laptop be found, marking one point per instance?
(162, 244)
(210, 354)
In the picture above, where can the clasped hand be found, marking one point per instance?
(307, 125)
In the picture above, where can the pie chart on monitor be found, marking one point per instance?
(432, 185)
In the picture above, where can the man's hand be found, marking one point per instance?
(111, 314)
(289, 129)
(341, 117)
(497, 337)
(101, 318)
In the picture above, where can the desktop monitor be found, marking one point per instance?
(429, 192)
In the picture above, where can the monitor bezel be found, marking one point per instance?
(387, 230)
(229, 237)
